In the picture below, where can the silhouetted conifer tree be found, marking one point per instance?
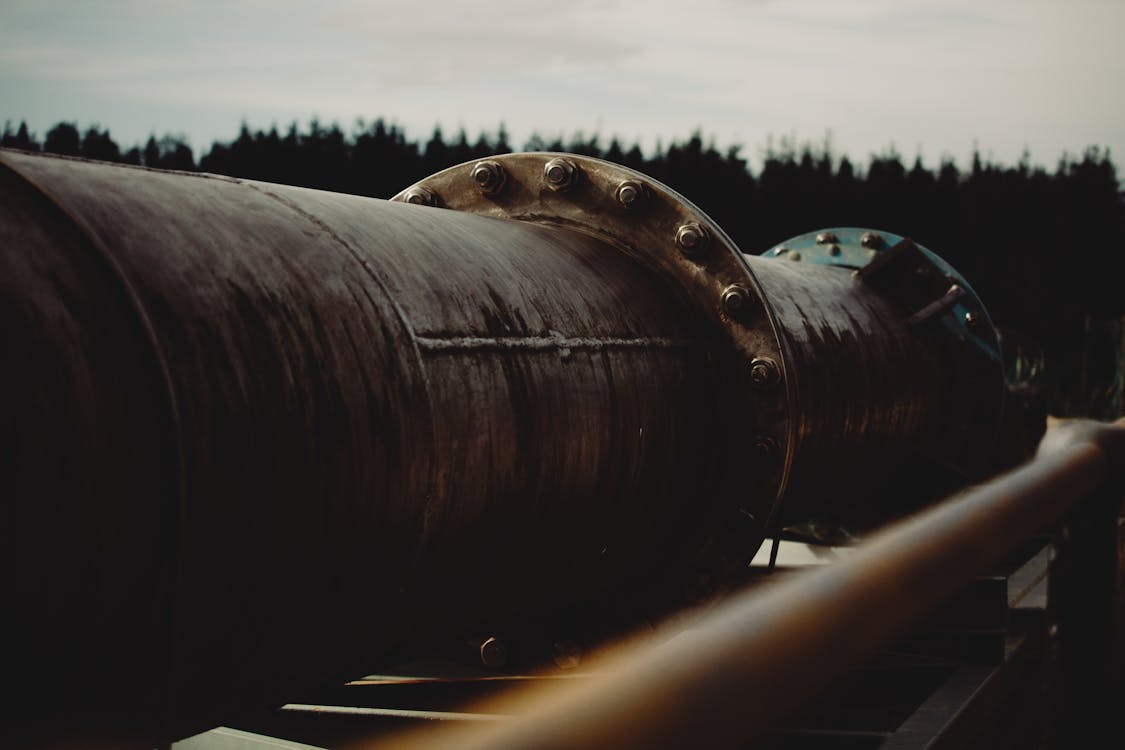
(63, 139)
(20, 138)
(96, 144)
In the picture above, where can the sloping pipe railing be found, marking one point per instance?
(747, 664)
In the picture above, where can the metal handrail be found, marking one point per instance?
(752, 660)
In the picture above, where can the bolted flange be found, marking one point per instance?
(659, 228)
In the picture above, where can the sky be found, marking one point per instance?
(926, 77)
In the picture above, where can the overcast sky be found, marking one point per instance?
(926, 76)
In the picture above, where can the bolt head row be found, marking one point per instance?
(562, 174)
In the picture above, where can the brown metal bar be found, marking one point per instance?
(744, 666)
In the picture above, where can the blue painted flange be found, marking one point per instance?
(855, 247)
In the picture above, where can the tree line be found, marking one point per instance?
(1040, 245)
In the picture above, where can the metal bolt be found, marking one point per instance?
(833, 249)
(972, 320)
(781, 251)
(872, 240)
(489, 177)
(794, 256)
(691, 237)
(734, 298)
(421, 196)
(630, 194)
(492, 652)
(560, 173)
(765, 446)
(825, 238)
(763, 372)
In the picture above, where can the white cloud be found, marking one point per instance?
(929, 72)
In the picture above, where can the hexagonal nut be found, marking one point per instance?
(765, 446)
(493, 653)
(630, 194)
(489, 176)
(871, 240)
(420, 196)
(691, 237)
(764, 373)
(560, 173)
(735, 298)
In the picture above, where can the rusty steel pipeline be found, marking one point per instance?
(261, 437)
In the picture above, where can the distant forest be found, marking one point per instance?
(1043, 247)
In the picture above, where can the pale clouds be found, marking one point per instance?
(937, 76)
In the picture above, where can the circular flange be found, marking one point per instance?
(855, 247)
(666, 233)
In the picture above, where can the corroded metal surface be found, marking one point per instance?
(866, 386)
(258, 436)
(695, 259)
(241, 417)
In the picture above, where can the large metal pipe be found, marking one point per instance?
(259, 436)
